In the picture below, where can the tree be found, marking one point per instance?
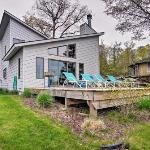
(39, 24)
(127, 57)
(143, 52)
(132, 15)
(59, 16)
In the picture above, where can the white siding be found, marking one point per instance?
(18, 31)
(87, 53)
(13, 70)
(5, 42)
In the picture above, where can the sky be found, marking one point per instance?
(101, 22)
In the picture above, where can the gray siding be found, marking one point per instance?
(13, 71)
(5, 42)
(87, 53)
(20, 32)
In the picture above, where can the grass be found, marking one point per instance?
(22, 129)
(139, 138)
(144, 104)
(121, 118)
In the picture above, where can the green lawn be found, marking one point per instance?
(22, 129)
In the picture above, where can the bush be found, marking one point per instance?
(27, 93)
(4, 91)
(13, 92)
(93, 126)
(44, 99)
(144, 104)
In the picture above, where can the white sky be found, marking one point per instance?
(100, 22)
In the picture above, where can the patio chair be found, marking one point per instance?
(70, 78)
(120, 83)
(101, 80)
(90, 80)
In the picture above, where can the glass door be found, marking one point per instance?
(53, 69)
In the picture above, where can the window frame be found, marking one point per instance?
(37, 67)
(67, 48)
(49, 59)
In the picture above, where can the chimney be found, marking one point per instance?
(89, 18)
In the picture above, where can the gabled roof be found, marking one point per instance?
(16, 47)
(6, 19)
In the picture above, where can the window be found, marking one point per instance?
(81, 70)
(53, 51)
(39, 68)
(15, 41)
(5, 73)
(57, 68)
(72, 51)
(62, 51)
(72, 67)
(19, 69)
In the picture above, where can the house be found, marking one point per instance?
(26, 55)
(141, 69)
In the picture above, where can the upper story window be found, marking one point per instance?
(72, 51)
(53, 51)
(15, 41)
(64, 51)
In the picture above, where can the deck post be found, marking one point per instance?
(93, 111)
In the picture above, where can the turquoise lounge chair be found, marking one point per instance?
(101, 80)
(90, 79)
(70, 78)
(115, 82)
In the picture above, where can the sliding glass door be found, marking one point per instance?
(57, 68)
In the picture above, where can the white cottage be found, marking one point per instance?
(26, 54)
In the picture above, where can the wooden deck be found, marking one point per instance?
(99, 98)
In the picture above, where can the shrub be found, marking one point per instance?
(13, 92)
(44, 99)
(144, 104)
(121, 117)
(93, 125)
(27, 93)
